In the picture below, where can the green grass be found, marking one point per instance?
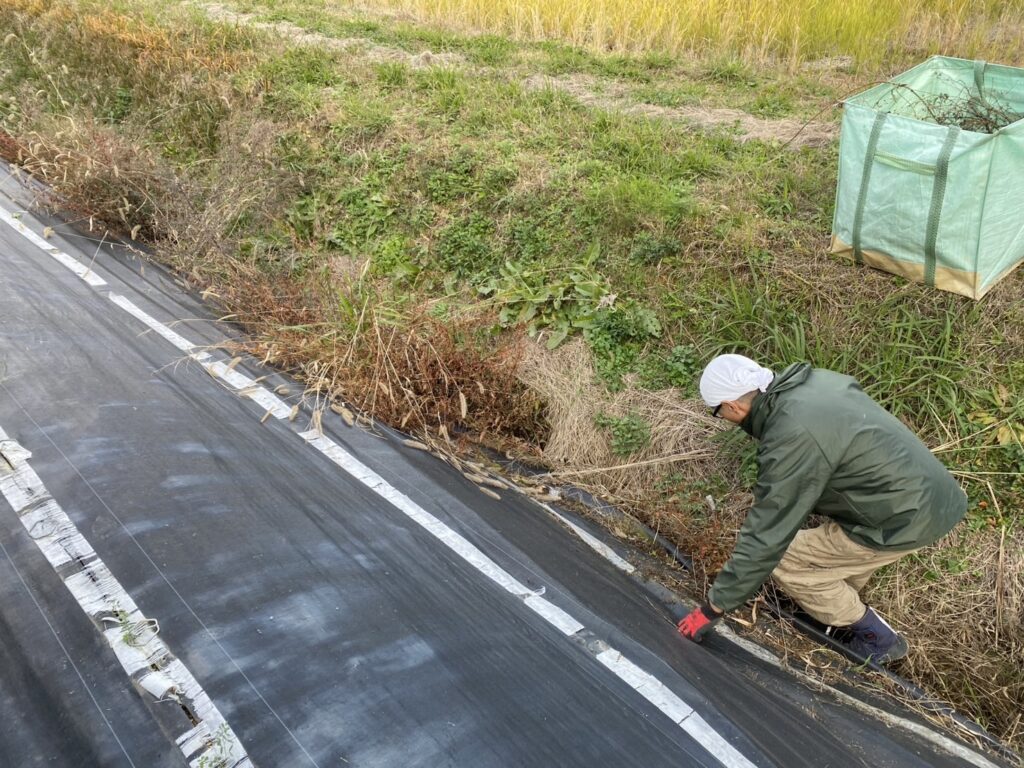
(627, 434)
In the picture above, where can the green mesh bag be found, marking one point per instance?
(942, 204)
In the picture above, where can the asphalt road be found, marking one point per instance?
(189, 576)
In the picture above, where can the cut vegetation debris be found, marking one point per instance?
(394, 231)
(971, 113)
(973, 96)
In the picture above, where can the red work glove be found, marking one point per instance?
(699, 622)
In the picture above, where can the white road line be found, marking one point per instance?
(71, 263)
(153, 324)
(246, 386)
(646, 685)
(132, 637)
(643, 683)
(593, 542)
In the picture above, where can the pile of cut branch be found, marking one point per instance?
(953, 104)
(973, 113)
(957, 105)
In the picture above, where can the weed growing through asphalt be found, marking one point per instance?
(218, 752)
(129, 629)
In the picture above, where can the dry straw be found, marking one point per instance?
(578, 448)
(766, 30)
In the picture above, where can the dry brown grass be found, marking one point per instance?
(573, 398)
(656, 482)
(961, 604)
(416, 373)
(770, 30)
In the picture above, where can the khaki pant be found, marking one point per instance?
(824, 570)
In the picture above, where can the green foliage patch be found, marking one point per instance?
(627, 435)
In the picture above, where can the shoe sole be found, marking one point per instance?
(897, 651)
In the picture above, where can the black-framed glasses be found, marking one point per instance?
(715, 410)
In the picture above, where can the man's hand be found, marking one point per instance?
(699, 622)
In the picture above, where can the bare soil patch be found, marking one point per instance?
(296, 34)
(616, 96)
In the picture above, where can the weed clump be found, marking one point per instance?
(629, 434)
(974, 113)
(956, 106)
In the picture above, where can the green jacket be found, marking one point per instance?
(827, 448)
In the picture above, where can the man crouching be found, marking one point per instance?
(824, 447)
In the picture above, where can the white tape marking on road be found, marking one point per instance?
(98, 592)
(220, 746)
(71, 263)
(593, 542)
(269, 402)
(218, 369)
(22, 486)
(712, 741)
(12, 451)
(247, 387)
(229, 375)
(673, 706)
(624, 669)
(155, 325)
(645, 684)
(660, 696)
(554, 615)
(56, 535)
(136, 647)
(158, 685)
(131, 636)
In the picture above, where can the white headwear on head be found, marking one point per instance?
(729, 377)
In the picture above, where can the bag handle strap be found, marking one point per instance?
(865, 181)
(935, 210)
(979, 78)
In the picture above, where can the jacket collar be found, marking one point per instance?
(753, 424)
(764, 402)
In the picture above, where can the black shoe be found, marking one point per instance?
(873, 638)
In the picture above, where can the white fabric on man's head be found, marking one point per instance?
(729, 377)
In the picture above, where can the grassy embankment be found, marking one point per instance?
(394, 225)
